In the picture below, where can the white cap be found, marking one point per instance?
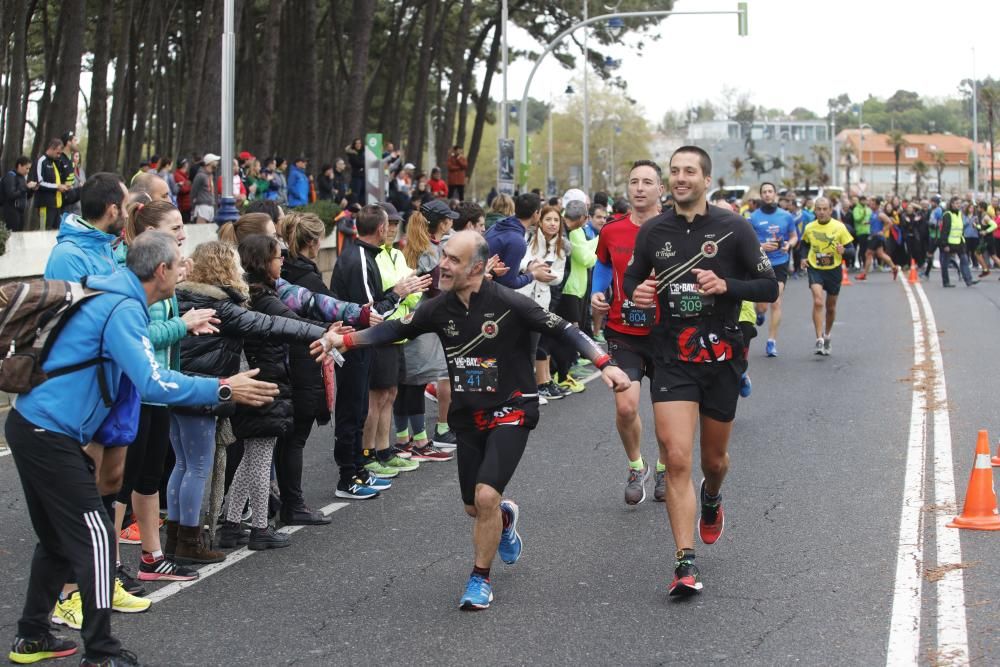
(574, 194)
(210, 158)
(409, 165)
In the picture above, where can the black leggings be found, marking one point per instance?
(570, 308)
(489, 457)
(409, 400)
(146, 455)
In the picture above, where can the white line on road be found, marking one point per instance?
(952, 633)
(904, 627)
(231, 559)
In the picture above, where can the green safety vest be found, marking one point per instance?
(955, 235)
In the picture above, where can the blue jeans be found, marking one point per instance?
(964, 269)
(193, 441)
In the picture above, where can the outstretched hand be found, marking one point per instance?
(252, 392)
(616, 379)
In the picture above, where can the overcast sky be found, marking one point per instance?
(798, 53)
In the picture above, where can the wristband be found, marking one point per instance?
(348, 341)
(602, 362)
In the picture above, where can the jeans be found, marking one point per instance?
(964, 269)
(192, 438)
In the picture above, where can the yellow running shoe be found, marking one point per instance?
(570, 383)
(127, 603)
(69, 612)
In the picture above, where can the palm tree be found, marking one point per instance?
(989, 98)
(737, 165)
(940, 162)
(808, 172)
(822, 154)
(920, 171)
(897, 141)
(847, 151)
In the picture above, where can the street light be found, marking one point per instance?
(227, 204)
(616, 27)
(861, 166)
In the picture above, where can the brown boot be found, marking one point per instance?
(170, 546)
(191, 548)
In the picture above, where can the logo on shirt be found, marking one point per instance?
(450, 330)
(666, 252)
(709, 249)
(490, 329)
(407, 318)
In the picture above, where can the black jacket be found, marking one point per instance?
(219, 355)
(14, 193)
(308, 393)
(355, 264)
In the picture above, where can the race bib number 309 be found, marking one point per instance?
(686, 301)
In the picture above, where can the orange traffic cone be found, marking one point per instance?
(844, 278)
(980, 510)
(996, 459)
(913, 279)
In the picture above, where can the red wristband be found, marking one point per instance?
(602, 361)
(348, 341)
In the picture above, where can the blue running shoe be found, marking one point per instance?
(760, 319)
(745, 386)
(377, 483)
(478, 593)
(356, 490)
(772, 348)
(510, 541)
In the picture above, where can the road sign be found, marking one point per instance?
(741, 10)
(505, 166)
(374, 174)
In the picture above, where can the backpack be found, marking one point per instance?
(3, 198)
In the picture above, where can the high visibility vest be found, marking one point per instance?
(955, 235)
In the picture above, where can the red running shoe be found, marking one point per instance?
(431, 391)
(686, 581)
(712, 521)
(895, 271)
(861, 276)
(429, 453)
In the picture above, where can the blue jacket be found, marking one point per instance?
(71, 404)
(506, 238)
(81, 250)
(298, 187)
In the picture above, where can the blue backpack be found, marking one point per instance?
(121, 425)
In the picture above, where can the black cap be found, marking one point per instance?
(67, 136)
(302, 158)
(436, 210)
(391, 212)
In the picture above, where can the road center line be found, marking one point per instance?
(904, 627)
(231, 559)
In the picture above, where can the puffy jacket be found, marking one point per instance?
(506, 238)
(298, 187)
(183, 190)
(81, 250)
(70, 404)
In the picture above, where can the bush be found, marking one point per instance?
(326, 210)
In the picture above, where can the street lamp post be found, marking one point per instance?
(227, 204)
(586, 109)
(861, 168)
(975, 129)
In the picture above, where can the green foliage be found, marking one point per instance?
(325, 210)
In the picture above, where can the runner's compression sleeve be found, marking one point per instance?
(602, 277)
(390, 331)
(542, 321)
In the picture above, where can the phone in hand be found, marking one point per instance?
(424, 272)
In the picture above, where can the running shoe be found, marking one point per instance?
(130, 583)
(745, 385)
(429, 453)
(510, 540)
(712, 521)
(126, 603)
(599, 338)
(165, 570)
(819, 346)
(686, 581)
(381, 470)
(949, 285)
(355, 490)
(895, 271)
(431, 392)
(635, 485)
(130, 534)
(478, 593)
(573, 385)
(550, 392)
(861, 276)
(582, 362)
(26, 651)
(123, 659)
(69, 612)
(772, 348)
(760, 318)
(971, 283)
(660, 486)
(827, 346)
(377, 483)
(403, 450)
(446, 441)
(542, 400)
(399, 464)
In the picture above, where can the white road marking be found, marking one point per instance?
(904, 626)
(231, 559)
(4, 451)
(952, 633)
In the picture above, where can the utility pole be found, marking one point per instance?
(227, 204)
(975, 129)
(586, 110)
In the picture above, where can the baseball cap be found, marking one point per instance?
(391, 211)
(245, 155)
(436, 210)
(574, 194)
(409, 165)
(210, 158)
(302, 158)
(68, 136)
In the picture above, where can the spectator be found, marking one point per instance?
(571, 306)
(71, 172)
(203, 190)
(151, 186)
(166, 172)
(84, 245)
(356, 158)
(298, 183)
(279, 186)
(324, 183)
(458, 165)
(239, 189)
(183, 182)
(501, 207)
(506, 239)
(51, 186)
(437, 185)
(15, 191)
(470, 216)
(341, 183)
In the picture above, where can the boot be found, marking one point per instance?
(170, 546)
(232, 535)
(191, 547)
(267, 538)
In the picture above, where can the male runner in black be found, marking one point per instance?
(485, 329)
(714, 262)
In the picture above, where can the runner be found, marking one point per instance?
(826, 239)
(775, 229)
(704, 261)
(876, 242)
(485, 328)
(628, 327)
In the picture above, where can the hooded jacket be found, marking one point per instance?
(81, 250)
(506, 238)
(70, 404)
(298, 187)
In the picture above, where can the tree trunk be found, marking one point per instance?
(468, 82)
(483, 102)
(447, 133)
(13, 141)
(97, 116)
(362, 18)
(137, 149)
(65, 100)
(309, 106)
(209, 132)
(195, 84)
(118, 96)
(266, 77)
(51, 46)
(418, 117)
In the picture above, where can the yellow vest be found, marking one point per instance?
(955, 235)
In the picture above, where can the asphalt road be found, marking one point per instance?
(804, 574)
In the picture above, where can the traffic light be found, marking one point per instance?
(741, 10)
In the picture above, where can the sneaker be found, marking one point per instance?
(861, 276)
(760, 318)
(599, 337)
(772, 348)
(403, 450)
(565, 391)
(446, 441)
(69, 612)
(165, 570)
(819, 346)
(542, 400)
(431, 392)
(130, 534)
(377, 483)
(26, 651)
(429, 453)
(267, 538)
(231, 535)
(126, 603)
(971, 283)
(949, 285)
(635, 485)
(123, 659)
(895, 271)
(712, 521)
(381, 470)
(549, 391)
(400, 464)
(572, 385)
(745, 385)
(686, 581)
(510, 540)
(827, 346)
(131, 584)
(660, 486)
(355, 490)
(582, 362)
(478, 594)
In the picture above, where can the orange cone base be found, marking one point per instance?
(995, 460)
(976, 522)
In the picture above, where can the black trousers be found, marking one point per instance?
(350, 412)
(570, 308)
(456, 192)
(75, 537)
(145, 457)
(288, 463)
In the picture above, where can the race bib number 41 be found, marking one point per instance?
(476, 374)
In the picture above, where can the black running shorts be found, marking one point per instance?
(829, 279)
(715, 387)
(387, 362)
(632, 354)
(489, 451)
(781, 272)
